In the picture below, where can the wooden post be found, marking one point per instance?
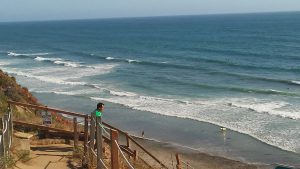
(1, 143)
(86, 130)
(1, 146)
(128, 144)
(114, 135)
(99, 141)
(127, 141)
(10, 123)
(76, 136)
(146, 151)
(134, 155)
(92, 137)
(178, 166)
(6, 136)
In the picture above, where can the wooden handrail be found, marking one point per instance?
(46, 108)
(42, 127)
(115, 128)
(135, 142)
(146, 151)
(85, 116)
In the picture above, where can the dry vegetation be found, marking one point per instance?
(9, 89)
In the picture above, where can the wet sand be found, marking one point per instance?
(198, 160)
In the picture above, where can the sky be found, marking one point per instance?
(29, 10)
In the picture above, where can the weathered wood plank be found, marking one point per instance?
(178, 165)
(76, 136)
(47, 109)
(114, 150)
(99, 142)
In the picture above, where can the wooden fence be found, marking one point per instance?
(94, 133)
(5, 137)
(182, 164)
(115, 148)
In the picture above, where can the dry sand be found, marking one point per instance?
(58, 156)
(54, 156)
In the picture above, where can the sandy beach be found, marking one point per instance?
(194, 158)
(194, 141)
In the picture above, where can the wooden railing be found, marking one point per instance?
(96, 128)
(129, 138)
(80, 115)
(6, 137)
(182, 164)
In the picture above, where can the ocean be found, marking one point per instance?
(239, 71)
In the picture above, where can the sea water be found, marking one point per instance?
(237, 71)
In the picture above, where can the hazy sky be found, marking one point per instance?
(24, 10)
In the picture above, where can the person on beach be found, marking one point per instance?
(99, 110)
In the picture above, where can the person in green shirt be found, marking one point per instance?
(100, 109)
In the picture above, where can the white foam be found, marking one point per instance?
(270, 107)
(128, 94)
(46, 59)
(219, 112)
(296, 82)
(70, 93)
(96, 86)
(45, 78)
(148, 103)
(99, 69)
(12, 54)
(67, 63)
(76, 73)
(109, 58)
(60, 61)
(63, 75)
(55, 92)
(156, 98)
(278, 91)
(25, 54)
(4, 63)
(131, 61)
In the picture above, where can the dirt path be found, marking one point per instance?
(58, 156)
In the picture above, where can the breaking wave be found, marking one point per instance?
(214, 111)
(109, 58)
(26, 54)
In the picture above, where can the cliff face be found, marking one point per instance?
(10, 90)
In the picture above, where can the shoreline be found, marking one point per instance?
(200, 136)
(195, 158)
(160, 147)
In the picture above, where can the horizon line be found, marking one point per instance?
(150, 16)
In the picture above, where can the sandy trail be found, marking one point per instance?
(58, 156)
